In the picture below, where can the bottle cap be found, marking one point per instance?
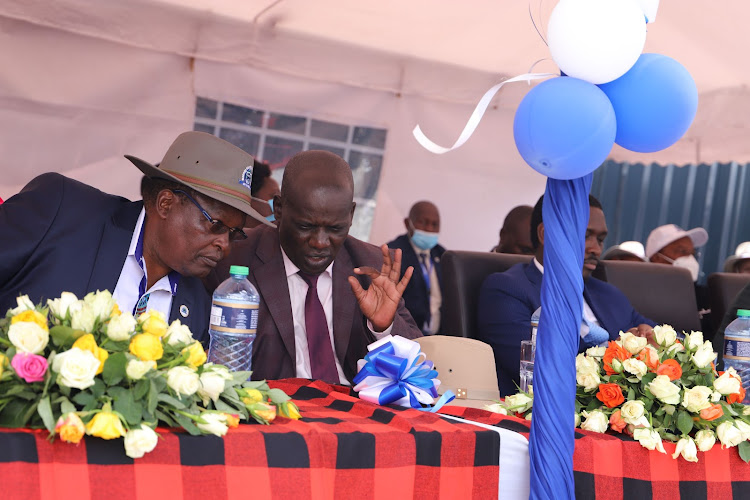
(743, 313)
(242, 270)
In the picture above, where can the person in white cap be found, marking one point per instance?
(740, 261)
(632, 251)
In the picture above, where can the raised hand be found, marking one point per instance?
(379, 302)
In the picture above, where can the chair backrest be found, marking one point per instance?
(722, 289)
(465, 366)
(665, 294)
(463, 274)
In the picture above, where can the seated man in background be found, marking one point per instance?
(740, 261)
(507, 300)
(316, 319)
(514, 235)
(631, 251)
(61, 235)
(263, 189)
(420, 249)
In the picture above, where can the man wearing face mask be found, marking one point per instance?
(263, 189)
(420, 249)
(671, 245)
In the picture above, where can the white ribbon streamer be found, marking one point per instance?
(476, 115)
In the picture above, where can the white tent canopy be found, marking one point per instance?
(83, 82)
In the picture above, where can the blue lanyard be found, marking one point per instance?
(426, 272)
(174, 277)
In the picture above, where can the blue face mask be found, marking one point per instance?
(271, 217)
(424, 239)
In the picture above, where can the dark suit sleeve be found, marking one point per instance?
(24, 220)
(504, 315)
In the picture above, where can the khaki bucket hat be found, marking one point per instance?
(211, 166)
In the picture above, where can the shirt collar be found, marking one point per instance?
(292, 269)
(136, 251)
(539, 265)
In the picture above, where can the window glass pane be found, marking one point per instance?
(278, 151)
(287, 123)
(324, 147)
(362, 221)
(205, 108)
(240, 114)
(372, 137)
(329, 130)
(199, 127)
(243, 140)
(366, 172)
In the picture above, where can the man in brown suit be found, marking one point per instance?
(318, 335)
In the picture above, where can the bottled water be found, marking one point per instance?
(234, 321)
(737, 348)
(528, 349)
(535, 324)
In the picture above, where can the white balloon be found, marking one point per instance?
(596, 40)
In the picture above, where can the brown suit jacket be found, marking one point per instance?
(274, 346)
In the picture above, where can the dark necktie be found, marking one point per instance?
(322, 362)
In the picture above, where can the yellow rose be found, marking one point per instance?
(105, 425)
(252, 396)
(70, 428)
(3, 362)
(88, 343)
(196, 354)
(293, 411)
(153, 323)
(30, 316)
(116, 310)
(265, 411)
(146, 347)
(233, 420)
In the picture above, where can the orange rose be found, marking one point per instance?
(670, 368)
(233, 420)
(614, 351)
(650, 357)
(712, 412)
(610, 395)
(616, 423)
(737, 397)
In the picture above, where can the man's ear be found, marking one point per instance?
(277, 207)
(540, 233)
(166, 201)
(409, 230)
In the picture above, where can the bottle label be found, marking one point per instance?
(737, 348)
(234, 317)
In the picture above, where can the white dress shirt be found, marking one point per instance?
(297, 294)
(127, 293)
(436, 297)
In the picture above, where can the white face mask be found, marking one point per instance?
(688, 262)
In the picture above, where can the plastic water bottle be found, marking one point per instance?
(234, 321)
(528, 350)
(737, 348)
(535, 324)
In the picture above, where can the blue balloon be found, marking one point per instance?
(655, 103)
(564, 128)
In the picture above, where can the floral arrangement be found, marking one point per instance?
(80, 367)
(666, 391)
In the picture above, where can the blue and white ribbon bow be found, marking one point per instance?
(396, 371)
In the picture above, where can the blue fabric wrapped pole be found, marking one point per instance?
(551, 442)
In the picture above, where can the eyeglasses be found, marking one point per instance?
(217, 227)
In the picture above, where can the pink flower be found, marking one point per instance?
(30, 367)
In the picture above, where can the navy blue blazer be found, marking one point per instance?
(507, 300)
(416, 296)
(60, 235)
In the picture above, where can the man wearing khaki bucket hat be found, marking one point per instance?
(60, 235)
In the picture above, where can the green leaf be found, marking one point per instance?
(187, 424)
(744, 449)
(278, 396)
(98, 388)
(45, 411)
(174, 402)
(62, 336)
(141, 389)
(83, 398)
(66, 406)
(131, 410)
(166, 419)
(684, 422)
(114, 368)
(631, 394)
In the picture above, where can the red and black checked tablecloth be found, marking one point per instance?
(610, 466)
(343, 448)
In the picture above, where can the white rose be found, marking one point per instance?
(178, 333)
(121, 327)
(518, 402)
(216, 424)
(76, 367)
(589, 381)
(586, 365)
(715, 397)
(634, 413)
(596, 421)
(686, 448)
(212, 385)
(705, 439)
(746, 410)
(665, 335)
(138, 442)
(82, 317)
(596, 351)
(744, 429)
(28, 337)
(528, 416)
(101, 304)
(632, 343)
(635, 366)
(136, 368)
(649, 439)
(663, 389)
(728, 434)
(577, 420)
(675, 348)
(183, 380)
(704, 355)
(693, 340)
(59, 307)
(696, 398)
(726, 383)
(496, 408)
(24, 304)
